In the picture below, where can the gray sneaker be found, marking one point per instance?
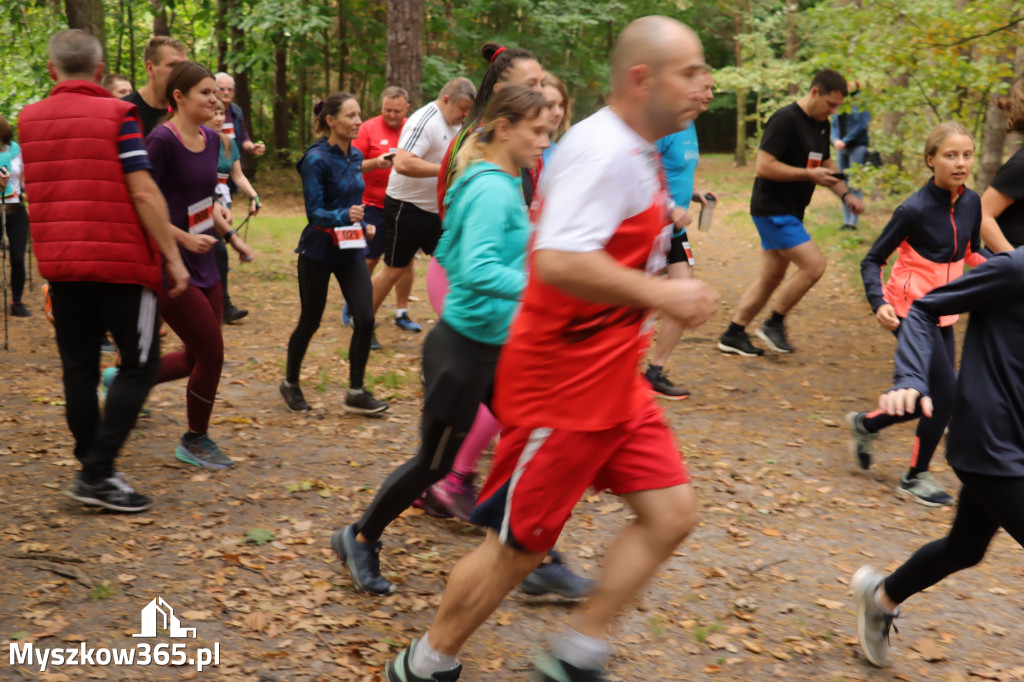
(873, 622)
(924, 490)
(202, 452)
(860, 440)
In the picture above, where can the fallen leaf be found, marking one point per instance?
(929, 650)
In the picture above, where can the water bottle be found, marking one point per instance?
(706, 212)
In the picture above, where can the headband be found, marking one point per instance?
(497, 52)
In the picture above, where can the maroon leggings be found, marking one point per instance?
(195, 317)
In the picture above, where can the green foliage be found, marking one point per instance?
(103, 590)
(258, 536)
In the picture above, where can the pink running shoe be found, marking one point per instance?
(455, 494)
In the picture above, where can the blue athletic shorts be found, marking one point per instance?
(780, 231)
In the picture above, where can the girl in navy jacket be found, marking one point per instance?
(934, 233)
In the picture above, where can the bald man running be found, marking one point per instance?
(603, 222)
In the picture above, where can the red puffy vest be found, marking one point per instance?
(84, 224)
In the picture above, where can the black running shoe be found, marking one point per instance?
(400, 670)
(775, 337)
(363, 402)
(112, 493)
(553, 669)
(861, 439)
(374, 342)
(19, 310)
(555, 577)
(739, 344)
(661, 385)
(361, 560)
(233, 314)
(293, 398)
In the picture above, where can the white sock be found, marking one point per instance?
(424, 661)
(289, 385)
(580, 650)
(355, 391)
(401, 311)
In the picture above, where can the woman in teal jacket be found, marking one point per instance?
(486, 229)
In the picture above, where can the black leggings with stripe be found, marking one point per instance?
(458, 375)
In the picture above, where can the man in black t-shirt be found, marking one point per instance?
(792, 159)
(162, 54)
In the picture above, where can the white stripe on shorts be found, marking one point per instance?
(147, 320)
(533, 444)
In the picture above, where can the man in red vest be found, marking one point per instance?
(99, 225)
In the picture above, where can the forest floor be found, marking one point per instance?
(759, 592)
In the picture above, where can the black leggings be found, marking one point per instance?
(17, 237)
(987, 503)
(941, 388)
(458, 375)
(354, 280)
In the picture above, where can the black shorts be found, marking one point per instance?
(407, 229)
(679, 251)
(375, 216)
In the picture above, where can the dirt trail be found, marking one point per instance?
(758, 593)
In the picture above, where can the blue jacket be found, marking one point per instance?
(852, 127)
(483, 249)
(986, 435)
(331, 184)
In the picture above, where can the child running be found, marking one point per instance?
(334, 243)
(986, 436)
(483, 247)
(184, 153)
(933, 233)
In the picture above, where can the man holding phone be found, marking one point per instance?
(378, 141)
(793, 158)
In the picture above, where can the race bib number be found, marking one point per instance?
(657, 261)
(200, 216)
(350, 237)
(228, 129)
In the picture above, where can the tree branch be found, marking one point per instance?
(978, 35)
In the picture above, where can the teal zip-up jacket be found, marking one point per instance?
(483, 249)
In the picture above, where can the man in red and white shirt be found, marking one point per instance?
(575, 408)
(378, 141)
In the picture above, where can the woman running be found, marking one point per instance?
(333, 243)
(985, 442)
(229, 165)
(483, 248)
(1002, 204)
(933, 232)
(456, 494)
(183, 153)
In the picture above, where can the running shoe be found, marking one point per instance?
(455, 494)
(403, 322)
(233, 314)
(107, 346)
(662, 386)
(775, 336)
(346, 316)
(374, 343)
(738, 343)
(555, 577)
(861, 439)
(201, 451)
(362, 401)
(400, 669)
(924, 490)
(112, 493)
(362, 561)
(873, 622)
(431, 505)
(293, 398)
(848, 227)
(550, 668)
(19, 310)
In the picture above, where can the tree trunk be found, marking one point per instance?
(161, 26)
(281, 98)
(405, 47)
(223, 34)
(87, 15)
(243, 95)
(740, 157)
(993, 138)
(792, 39)
(344, 78)
(891, 124)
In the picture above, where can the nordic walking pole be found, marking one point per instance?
(3, 256)
(30, 288)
